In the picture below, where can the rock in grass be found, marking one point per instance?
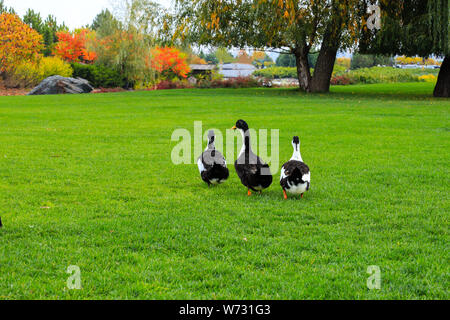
(1, 222)
(62, 85)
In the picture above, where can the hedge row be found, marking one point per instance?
(365, 75)
(99, 76)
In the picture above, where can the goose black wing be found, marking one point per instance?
(290, 166)
(293, 171)
(254, 174)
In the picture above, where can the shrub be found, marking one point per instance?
(25, 75)
(428, 78)
(98, 75)
(29, 74)
(51, 66)
(166, 85)
(339, 70)
(369, 60)
(344, 62)
(174, 84)
(341, 80)
(276, 73)
(236, 83)
(240, 82)
(383, 75)
(288, 72)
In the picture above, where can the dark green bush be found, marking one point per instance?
(276, 73)
(99, 76)
(370, 60)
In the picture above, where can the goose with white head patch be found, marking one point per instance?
(251, 169)
(295, 174)
(212, 164)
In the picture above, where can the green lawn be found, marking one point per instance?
(87, 180)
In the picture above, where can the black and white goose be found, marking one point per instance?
(253, 172)
(295, 174)
(212, 164)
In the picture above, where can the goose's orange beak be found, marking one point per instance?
(234, 128)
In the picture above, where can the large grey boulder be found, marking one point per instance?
(61, 85)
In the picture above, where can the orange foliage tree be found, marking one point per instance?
(72, 47)
(18, 42)
(170, 62)
(194, 59)
(243, 57)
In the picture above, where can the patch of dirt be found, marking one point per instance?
(12, 92)
(108, 90)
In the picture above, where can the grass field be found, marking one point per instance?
(87, 180)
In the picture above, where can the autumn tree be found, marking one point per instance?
(261, 59)
(244, 57)
(170, 62)
(18, 42)
(298, 27)
(72, 47)
(195, 59)
(413, 27)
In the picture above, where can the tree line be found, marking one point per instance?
(309, 33)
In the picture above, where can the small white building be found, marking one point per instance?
(416, 66)
(236, 70)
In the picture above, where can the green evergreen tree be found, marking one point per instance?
(4, 8)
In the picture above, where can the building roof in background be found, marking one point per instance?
(238, 66)
(236, 70)
(205, 67)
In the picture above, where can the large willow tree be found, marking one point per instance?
(298, 27)
(413, 27)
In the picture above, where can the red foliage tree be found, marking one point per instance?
(72, 47)
(170, 62)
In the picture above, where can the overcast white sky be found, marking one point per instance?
(73, 13)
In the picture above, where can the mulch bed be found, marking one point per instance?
(21, 92)
(12, 92)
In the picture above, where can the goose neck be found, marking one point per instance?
(297, 155)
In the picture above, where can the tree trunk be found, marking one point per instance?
(324, 70)
(303, 69)
(327, 57)
(325, 64)
(442, 89)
